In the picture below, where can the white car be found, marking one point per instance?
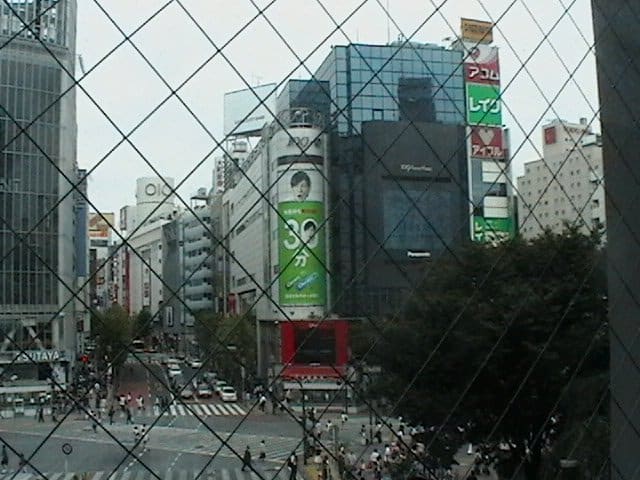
(228, 394)
(174, 370)
(196, 363)
(219, 385)
(204, 391)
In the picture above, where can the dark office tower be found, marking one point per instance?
(617, 50)
(38, 138)
(416, 100)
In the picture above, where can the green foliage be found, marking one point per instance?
(143, 324)
(113, 334)
(507, 305)
(225, 341)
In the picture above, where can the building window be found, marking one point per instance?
(378, 114)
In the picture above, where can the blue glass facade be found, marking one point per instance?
(363, 82)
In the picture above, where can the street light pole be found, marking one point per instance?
(305, 445)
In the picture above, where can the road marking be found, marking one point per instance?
(180, 409)
(238, 408)
(223, 409)
(239, 474)
(168, 473)
(96, 476)
(196, 410)
(140, 475)
(214, 409)
(172, 408)
(205, 409)
(56, 476)
(125, 476)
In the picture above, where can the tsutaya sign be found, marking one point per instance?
(29, 356)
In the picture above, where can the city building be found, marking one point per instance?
(100, 261)
(379, 143)
(566, 185)
(169, 267)
(38, 173)
(139, 263)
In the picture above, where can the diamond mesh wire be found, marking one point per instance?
(549, 100)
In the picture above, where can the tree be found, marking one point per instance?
(227, 342)
(113, 334)
(511, 323)
(143, 325)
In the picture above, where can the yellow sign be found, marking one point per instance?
(98, 226)
(476, 31)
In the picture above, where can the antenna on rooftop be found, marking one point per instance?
(388, 24)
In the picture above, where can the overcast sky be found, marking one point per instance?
(173, 141)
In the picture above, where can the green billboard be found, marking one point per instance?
(492, 230)
(483, 104)
(301, 253)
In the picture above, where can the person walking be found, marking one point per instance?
(40, 414)
(263, 453)
(292, 463)
(111, 413)
(246, 459)
(22, 463)
(136, 436)
(344, 417)
(129, 418)
(262, 403)
(144, 433)
(4, 462)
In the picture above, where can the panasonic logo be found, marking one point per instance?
(408, 167)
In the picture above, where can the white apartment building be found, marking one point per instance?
(566, 185)
(140, 264)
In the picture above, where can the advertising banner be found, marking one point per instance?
(487, 143)
(482, 65)
(98, 226)
(483, 105)
(492, 230)
(301, 237)
(243, 111)
(477, 31)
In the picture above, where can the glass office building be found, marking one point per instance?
(367, 82)
(38, 135)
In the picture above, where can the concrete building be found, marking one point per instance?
(38, 169)
(100, 261)
(566, 185)
(169, 266)
(140, 264)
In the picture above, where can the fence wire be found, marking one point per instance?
(38, 31)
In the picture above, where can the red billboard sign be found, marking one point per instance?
(482, 65)
(550, 135)
(487, 142)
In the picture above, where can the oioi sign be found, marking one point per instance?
(483, 104)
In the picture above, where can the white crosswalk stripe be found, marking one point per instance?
(144, 474)
(177, 409)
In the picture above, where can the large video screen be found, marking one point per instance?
(315, 345)
(416, 216)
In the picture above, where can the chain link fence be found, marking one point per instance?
(410, 253)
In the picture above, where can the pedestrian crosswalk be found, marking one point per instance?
(177, 409)
(170, 474)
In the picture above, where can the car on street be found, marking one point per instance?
(219, 385)
(187, 392)
(173, 370)
(228, 394)
(195, 363)
(210, 377)
(204, 391)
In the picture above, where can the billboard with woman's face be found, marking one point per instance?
(301, 235)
